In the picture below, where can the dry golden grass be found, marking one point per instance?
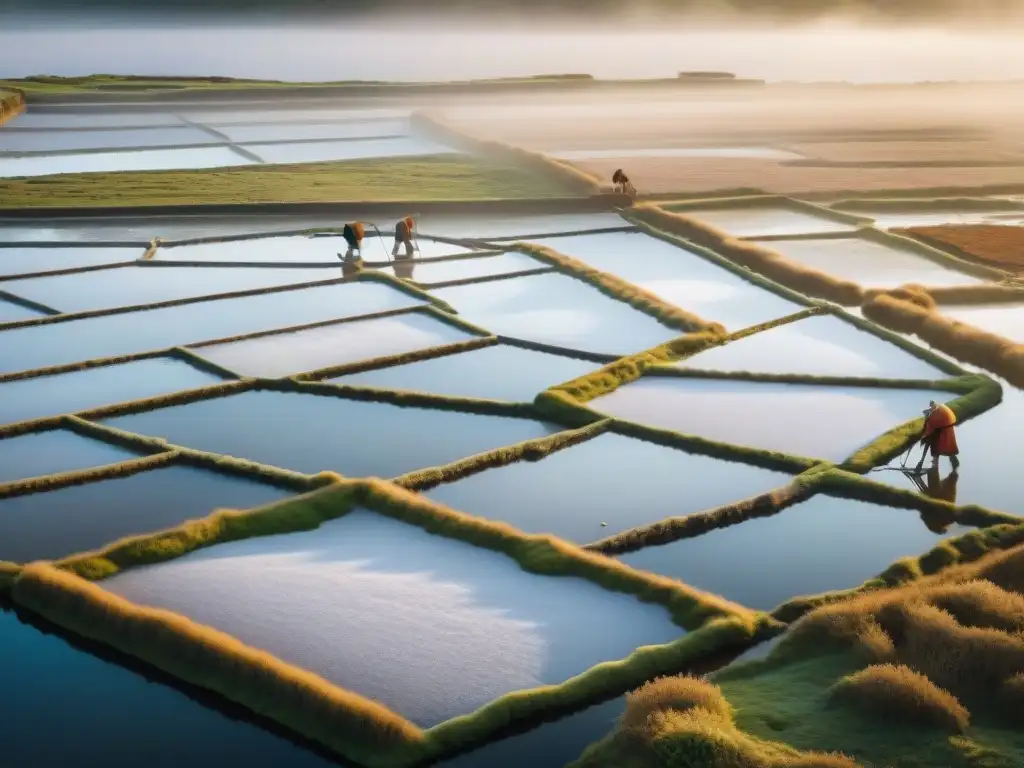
(760, 258)
(918, 316)
(685, 722)
(991, 244)
(12, 104)
(680, 694)
(898, 692)
(963, 629)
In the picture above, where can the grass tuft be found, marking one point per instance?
(896, 692)
(964, 342)
(12, 104)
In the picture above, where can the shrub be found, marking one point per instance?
(897, 692)
(680, 693)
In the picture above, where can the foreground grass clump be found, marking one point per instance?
(428, 178)
(686, 722)
(755, 256)
(898, 692)
(12, 103)
(912, 312)
(990, 244)
(929, 674)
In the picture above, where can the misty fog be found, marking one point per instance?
(415, 50)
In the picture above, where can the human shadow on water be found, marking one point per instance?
(432, 627)
(403, 268)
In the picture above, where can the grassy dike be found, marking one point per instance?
(351, 725)
(440, 178)
(915, 313)
(926, 674)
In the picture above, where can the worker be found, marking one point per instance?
(938, 435)
(403, 234)
(353, 234)
(622, 183)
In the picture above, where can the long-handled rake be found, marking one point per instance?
(903, 463)
(380, 238)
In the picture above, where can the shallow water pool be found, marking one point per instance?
(102, 118)
(511, 227)
(15, 313)
(818, 545)
(137, 160)
(551, 745)
(135, 285)
(896, 220)
(54, 141)
(290, 353)
(114, 712)
(23, 261)
(55, 524)
(766, 220)
(361, 129)
(499, 372)
(604, 486)
(53, 451)
(431, 627)
(326, 151)
(559, 310)
(269, 114)
(870, 264)
(814, 421)
(296, 248)
(817, 346)
(677, 276)
(1001, 319)
(465, 269)
(142, 331)
(310, 433)
(757, 153)
(35, 398)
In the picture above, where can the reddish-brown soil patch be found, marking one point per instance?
(1001, 247)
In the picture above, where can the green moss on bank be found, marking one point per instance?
(428, 178)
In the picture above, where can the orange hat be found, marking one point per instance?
(408, 221)
(358, 229)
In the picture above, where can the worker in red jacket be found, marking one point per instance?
(939, 435)
(403, 236)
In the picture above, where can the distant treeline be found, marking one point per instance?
(931, 10)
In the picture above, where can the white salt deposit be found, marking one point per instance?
(429, 626)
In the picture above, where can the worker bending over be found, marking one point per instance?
(939, 435)
(622, 183)
(403, 235)
(353, 234)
